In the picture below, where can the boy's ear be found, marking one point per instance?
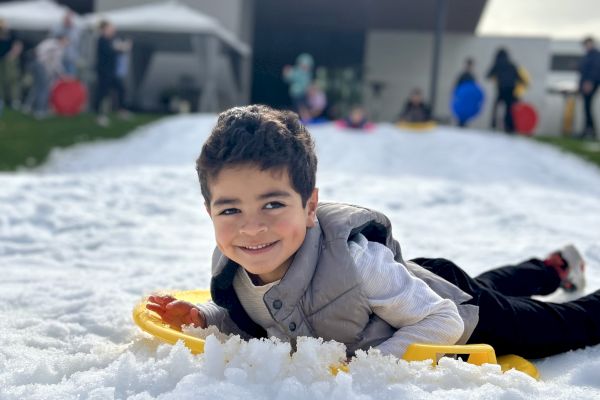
(311, 208)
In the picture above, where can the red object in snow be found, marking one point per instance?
(68, 96)
(366, 127)
(525, 118)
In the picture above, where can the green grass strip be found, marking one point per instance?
(588, 150)
(25, 141)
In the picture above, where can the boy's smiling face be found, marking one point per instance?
(259, 219)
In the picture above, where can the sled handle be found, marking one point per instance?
(478, 353)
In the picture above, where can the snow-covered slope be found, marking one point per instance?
(100, 225)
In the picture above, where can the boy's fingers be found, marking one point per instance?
(179, 307)
(161, 299)
(195, 318)
(156, 308)
(198, 318)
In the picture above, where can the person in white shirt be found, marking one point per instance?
(48, 66)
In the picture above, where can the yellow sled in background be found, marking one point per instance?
(418, 127)
(479, 354)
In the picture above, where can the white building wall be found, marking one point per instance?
(402, 61)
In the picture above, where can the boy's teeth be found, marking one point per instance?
(260, 246)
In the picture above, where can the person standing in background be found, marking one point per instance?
(48, 66)
(107, 52)
(589, 70)
(68, 28)
(467, 83)
(506, 75)
(467, 74)
(121, 73)
(299, 77)
(10, 77)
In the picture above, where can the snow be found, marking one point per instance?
(84, 237)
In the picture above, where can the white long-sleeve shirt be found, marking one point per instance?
(50, 54)
(402, 300)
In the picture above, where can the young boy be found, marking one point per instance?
(415, 109)
(287, 266)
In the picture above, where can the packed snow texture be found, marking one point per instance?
(83, 238)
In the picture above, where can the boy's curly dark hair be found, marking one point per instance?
(260, 136)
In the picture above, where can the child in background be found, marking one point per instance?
(316, 101)
(467, 74)
(287, 266)
(415, 109)
(357, 119)
(299, 77)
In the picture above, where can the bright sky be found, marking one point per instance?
(561, 19)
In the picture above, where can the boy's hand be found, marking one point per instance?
(176, 312)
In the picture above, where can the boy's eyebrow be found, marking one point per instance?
(274, 193)
(222, 201)
(225, 201)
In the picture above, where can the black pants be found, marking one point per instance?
(514, 323)
(589, 128)
(506, 96)
(104, 85)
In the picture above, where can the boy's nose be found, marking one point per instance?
(253, 228)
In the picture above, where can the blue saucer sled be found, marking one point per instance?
(467, 102)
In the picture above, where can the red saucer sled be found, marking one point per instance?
(525, 118)
(67, 97)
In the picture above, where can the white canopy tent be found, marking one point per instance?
(174, 27)
(33, 20)
(34, 15)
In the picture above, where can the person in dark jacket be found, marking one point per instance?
(589, 71)
(415, 109)
(107, 52)
(506, 76)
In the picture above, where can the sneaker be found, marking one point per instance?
(103, 121)
(40, 115)
(124, 115)
(570, 266)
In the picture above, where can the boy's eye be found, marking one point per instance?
(229, 211)
(274, 204)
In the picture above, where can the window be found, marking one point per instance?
(565, 62)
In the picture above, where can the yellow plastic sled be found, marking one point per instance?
(151, 322)
(479, 354)
(417, 126)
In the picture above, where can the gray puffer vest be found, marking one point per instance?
(320, 294)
